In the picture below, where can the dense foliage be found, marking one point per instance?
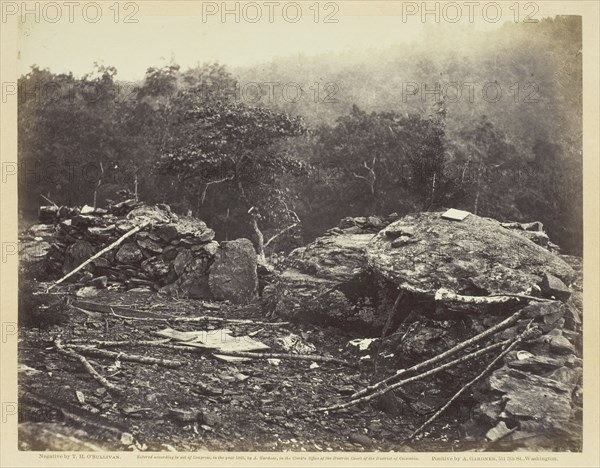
(368, 136)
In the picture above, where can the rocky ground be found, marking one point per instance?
(243, 406)
(369, 298)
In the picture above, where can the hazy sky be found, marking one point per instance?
(132, 48)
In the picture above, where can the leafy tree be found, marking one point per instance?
(230, 145)
(70, 136)
(383, 161)
(488, 167)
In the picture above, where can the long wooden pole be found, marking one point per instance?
(440, 357)
(102, 252)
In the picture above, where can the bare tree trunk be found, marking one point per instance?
(98, 184)
(260, 239)
(135, 184)
(476, 203)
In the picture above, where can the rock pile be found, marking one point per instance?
(353, 273)
(328, 280)
(537, 393)
(172, 254)
(359, 272)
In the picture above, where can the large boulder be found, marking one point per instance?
(232, 276)
(477, 255)
(328, 280)
(352, 275)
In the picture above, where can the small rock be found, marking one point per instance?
(390, 404)
(535, 364)
(86, 277)
(169, 253)
(394, 231)
(167, 232)
(139, 290)
(534, 226)
(559, 344)
(100, 282)
(345, 389)
(124, 226)
(155, 267)
(540, 309)
(102, 263)
(80, 396)
(497, 432)
(184, 415)
(208, 389)
(491, 409)
(567, 376)
(211, 248)
(150, 245)
(87, 291)
(206, 236)
(101, 231)
(554, 287)
(211, 419)
(375, 426)
(374, 221)
(360, 439)
(129, 254)
(82, 221)
(181, 261)
(522, 355)
(126, 438)
(401, 241)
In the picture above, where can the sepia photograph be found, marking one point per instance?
(300, 233)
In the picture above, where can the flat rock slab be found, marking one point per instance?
(532, 396)
(337, 257)
(475, 254)
(232, 276)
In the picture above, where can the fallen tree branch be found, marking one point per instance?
(167, 344)
(106, 308)
(129, 233)
(447, 295)
(202, 318)
(443, 367)
(110, 344)
(126, 357)
(88, 367)
(300, 357)
(467, 386)
(452, 351)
